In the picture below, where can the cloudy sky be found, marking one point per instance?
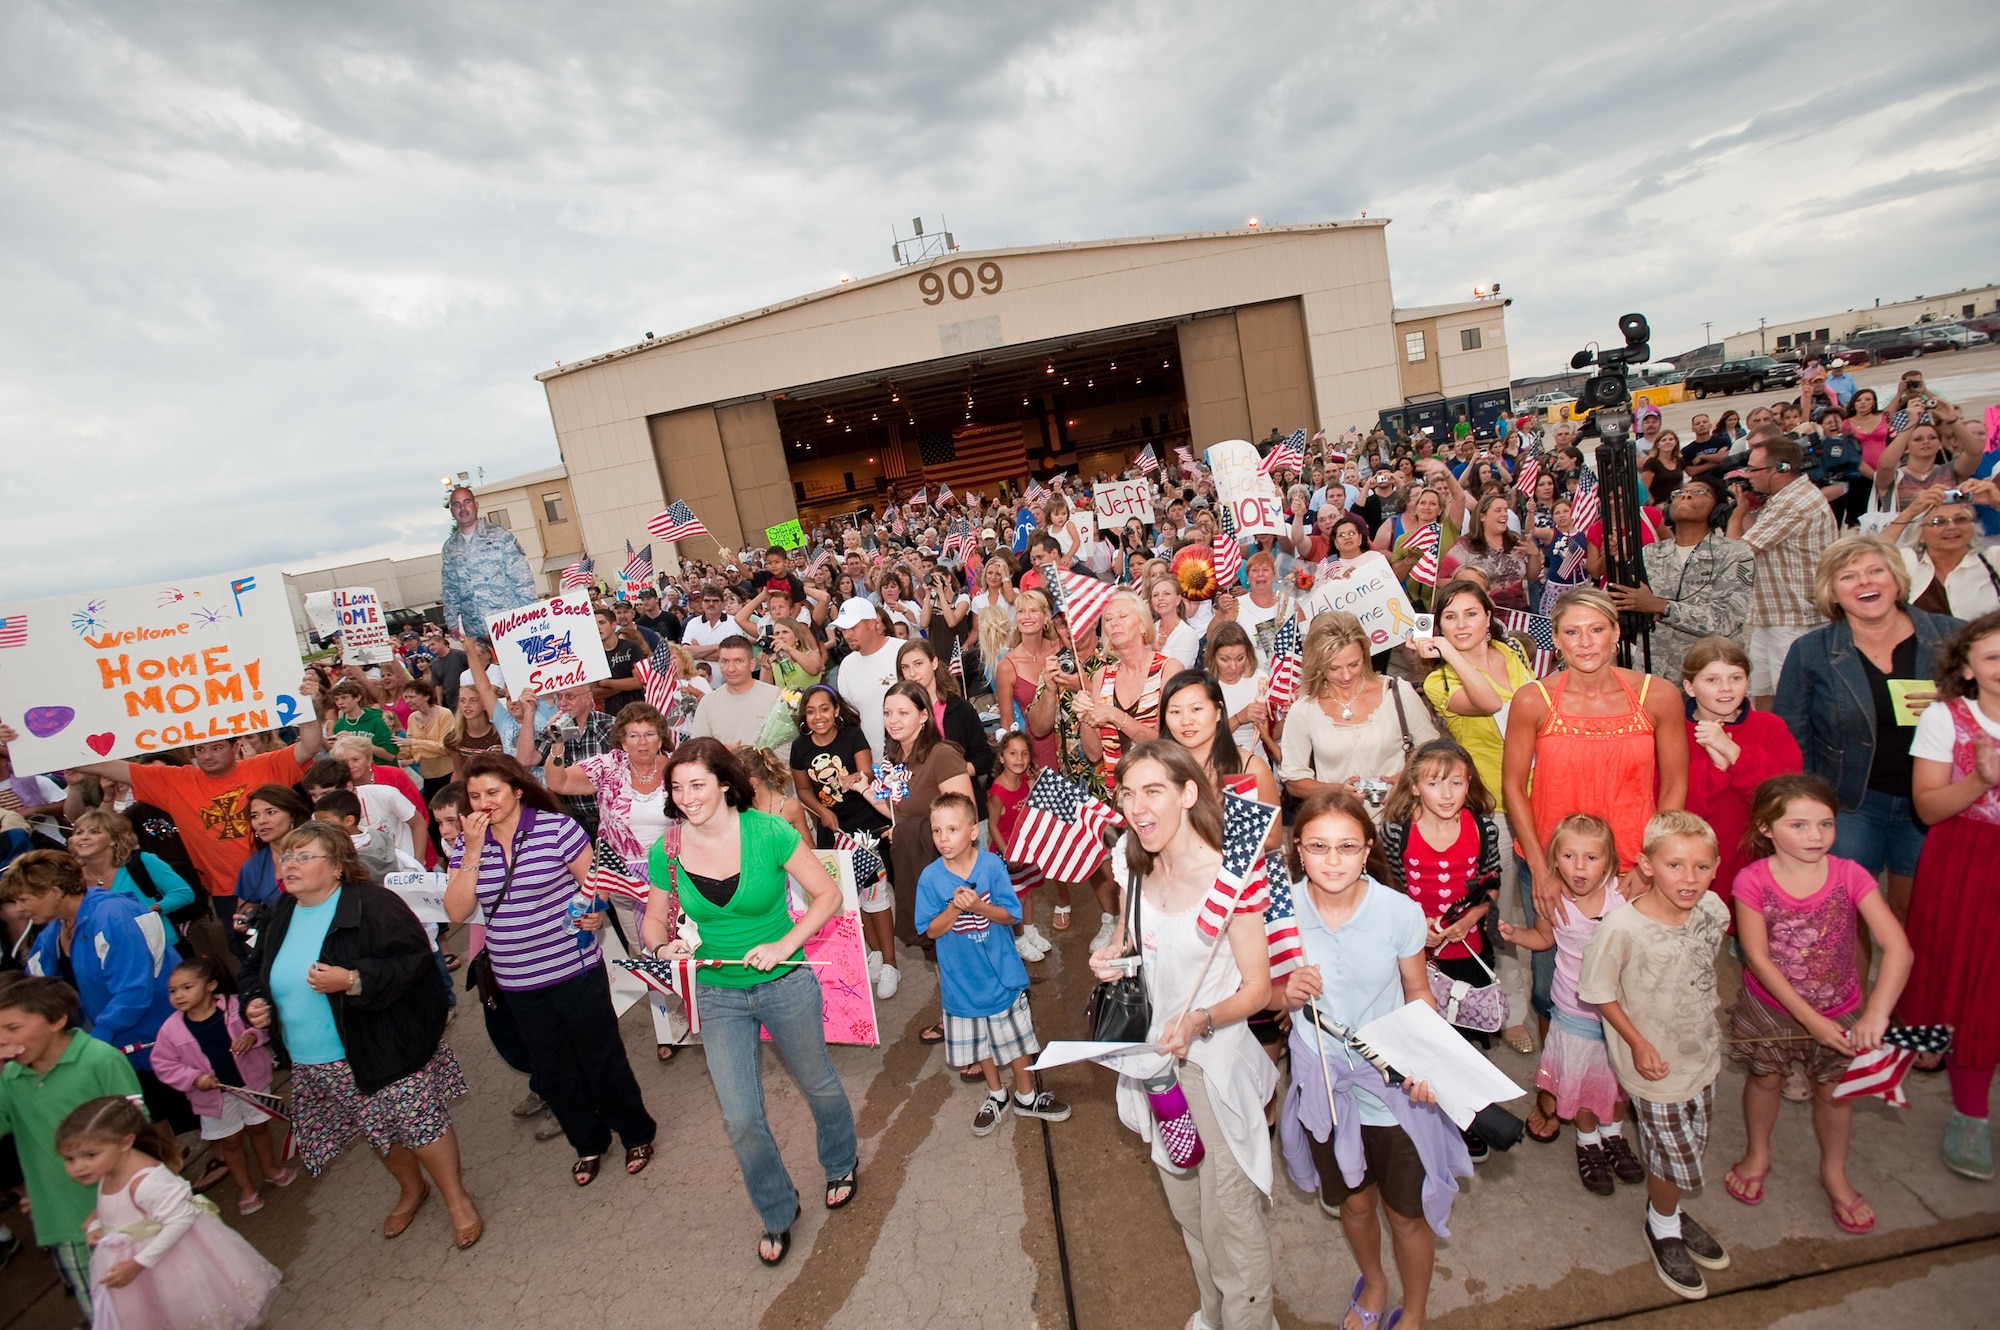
(268, 270)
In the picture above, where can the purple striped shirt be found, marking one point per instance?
(530, 938)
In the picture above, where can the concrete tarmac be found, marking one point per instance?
(1057, 1225)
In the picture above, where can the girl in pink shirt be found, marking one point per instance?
(1802, 991)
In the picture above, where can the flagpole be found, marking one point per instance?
(1326, 1073)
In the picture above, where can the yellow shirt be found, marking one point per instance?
(1480, 736)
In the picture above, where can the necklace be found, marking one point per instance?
(1347, 703)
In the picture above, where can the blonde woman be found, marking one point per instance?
(1028, 668)
(1175, 635)
(1123, 709)
(107, 849)
(1351, 727)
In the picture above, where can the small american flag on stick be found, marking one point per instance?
(921, 497)
(1077, 598)
(609, 876)
(663, 683)
(1281, 930)
(673, 977)
(1061, 830)
(1879, 1072)
(638, 564)
(1540, 630)
(577, 576)
(678, 522)
(944, 493)
(1035, 492)
(1583, 509)
(1290, 454)
(1242, 886)
(1228, 557)
(1426, 539)
(1287, 664)
(1186, 455)
(1148, 461)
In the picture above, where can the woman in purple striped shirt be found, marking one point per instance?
(523, 861)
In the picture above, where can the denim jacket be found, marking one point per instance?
(1823, 696)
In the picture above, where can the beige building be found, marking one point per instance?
(1776, 337)
(983, 367)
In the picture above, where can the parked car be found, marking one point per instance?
(1950, 337)
(1545, 401)
(1753, 374)
(1887, 343)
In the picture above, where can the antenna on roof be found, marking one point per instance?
(919, 247)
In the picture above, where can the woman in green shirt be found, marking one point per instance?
(729, 872)
(351, 714)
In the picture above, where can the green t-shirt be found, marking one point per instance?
(32, 1106)
(756, 914)
(371, 723)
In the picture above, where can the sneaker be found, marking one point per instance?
(1044, 1106)
(887, 983)
(1107, 925)
(1675, 1266)
(1968, 1147)
(1594, 1167)
(1625, 1165)
(1035, 935)
(1701, 1244)
(988, 1117)
(549, 1130)
(531, 1105)
(251, 1204)
(1475, 1145)
(874, 965)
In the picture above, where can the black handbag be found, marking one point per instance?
(1120, 1012)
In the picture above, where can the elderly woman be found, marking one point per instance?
(344, 971)
(1838, 694)
(1947, 575)
(1350, 726)
(1594, 736)
(1124, 705)
(108, 851)
(1203, 992)
(729, 874)
(412, 833)
(629, 783)
(523, 861)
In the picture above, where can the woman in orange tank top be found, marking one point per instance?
(1594, 739)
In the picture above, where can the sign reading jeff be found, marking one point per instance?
(1253, 500)
(549, 645)
(114, 674)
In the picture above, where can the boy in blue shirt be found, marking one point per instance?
(966, 901)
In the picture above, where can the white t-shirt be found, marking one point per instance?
(1250, 616)
(1238, 696)
(1936, 734)
(647, 817)
(981, 601)
(864, 682)
(493, 676)
(699, 632)
(1181, 644)
(384, 808)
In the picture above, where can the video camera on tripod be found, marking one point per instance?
(1609, 400)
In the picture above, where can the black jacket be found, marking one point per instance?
(393, 1027)
(962, 727)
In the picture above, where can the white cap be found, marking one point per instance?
(857, 610)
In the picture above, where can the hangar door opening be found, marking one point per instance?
(1084, 404)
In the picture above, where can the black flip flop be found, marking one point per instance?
(784, 1240)
(853, 1189)
(931, 1034)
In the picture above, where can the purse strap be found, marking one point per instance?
(1132, 894)
(1402, 721)
(507, 878)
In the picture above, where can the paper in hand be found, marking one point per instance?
(1422, 1045)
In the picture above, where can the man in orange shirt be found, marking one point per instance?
(206, 799)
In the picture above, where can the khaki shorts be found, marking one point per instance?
(1768, 647)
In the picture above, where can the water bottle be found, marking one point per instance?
(1175, 1122)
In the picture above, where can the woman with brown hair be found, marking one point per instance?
(1511, 562)
(1593, 736)
(345, 972)
(917, 662)
(1350, 727)
(931, 765)
(523, 861)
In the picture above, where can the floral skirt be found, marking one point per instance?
(327, 1109)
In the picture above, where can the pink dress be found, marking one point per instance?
(1575, 1066)
(201, 1273)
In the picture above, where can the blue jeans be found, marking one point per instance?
(1883, 832)
(1543, 963)
(790, 1009)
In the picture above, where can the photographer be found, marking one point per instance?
(1947, 575)
(1930, 450)
(946, 610)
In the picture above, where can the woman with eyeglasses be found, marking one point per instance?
(1947, 575)
(343, 970)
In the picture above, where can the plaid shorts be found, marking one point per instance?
(1672, 1137)
(1002, 1037)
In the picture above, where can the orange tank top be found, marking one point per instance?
(1604, 765)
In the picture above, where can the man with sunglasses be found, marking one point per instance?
(1786, 534)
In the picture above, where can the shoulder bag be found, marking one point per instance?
(1120, 1012)
(479, 970)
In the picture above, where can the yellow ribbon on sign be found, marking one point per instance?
(1399, 620)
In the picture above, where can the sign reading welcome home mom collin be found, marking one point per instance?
(549, 645)
(112, 674)
(1253, 500)
(355, 613)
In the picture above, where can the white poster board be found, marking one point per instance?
(112, 674)
(1120, 500)
(549, 645)
(1253, 500)
(354, 612)
(1367, 589)
(424, 894)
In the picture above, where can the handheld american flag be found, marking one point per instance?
(678, 522)
(1281, 930)
(1241, 887)
(1583, 509)
(1289, 454)
(867, 863)
(958, 660)
(663, 684)
(1426, 539)
(1148, 461)
(1287, 664)
(609, 876)
(1879, 1072)
(1531, 470)
(944, 493)
(1061, 830)
(1228, 558)
(674, 977)
(1035, 492)
(639, 565)
(1077, 598)
(274, 1105)
(1186, 455)
(921, 498)
(1540, 630)
(578, 575)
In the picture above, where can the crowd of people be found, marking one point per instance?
(1547, 812)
